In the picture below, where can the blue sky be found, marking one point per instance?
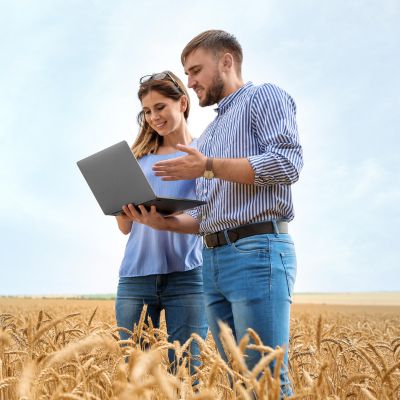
(69, 73)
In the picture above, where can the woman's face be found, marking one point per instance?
(163, 114)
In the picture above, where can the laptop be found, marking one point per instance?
(115, 178)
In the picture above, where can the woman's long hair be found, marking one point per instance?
(148, 140)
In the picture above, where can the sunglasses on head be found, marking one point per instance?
(159, 77)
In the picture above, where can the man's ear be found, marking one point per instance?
(227, 61)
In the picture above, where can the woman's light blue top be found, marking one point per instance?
(150, 251)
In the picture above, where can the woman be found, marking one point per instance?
(162, 269)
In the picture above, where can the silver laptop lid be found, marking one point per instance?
(115, 178)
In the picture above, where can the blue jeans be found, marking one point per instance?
(249, 284)
(179, 293)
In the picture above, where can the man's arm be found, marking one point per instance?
(274, 124)
(280, 159)
(181, 223)
(193, 166)
(234, 170)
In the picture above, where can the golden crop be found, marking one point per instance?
(70, 349)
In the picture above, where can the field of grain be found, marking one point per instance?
(69, 349)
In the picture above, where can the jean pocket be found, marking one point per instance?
(290, 267)
(251, 244)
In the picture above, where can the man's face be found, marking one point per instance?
(202, 68)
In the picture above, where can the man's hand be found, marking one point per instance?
(186, 167)
(151, 218)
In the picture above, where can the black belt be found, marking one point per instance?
(216, 239)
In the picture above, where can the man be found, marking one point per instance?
(246, 161)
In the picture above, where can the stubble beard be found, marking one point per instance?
(215, 92)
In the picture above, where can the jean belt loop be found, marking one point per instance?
(227, 237)
(276, 229)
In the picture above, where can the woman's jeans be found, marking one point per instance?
(249, 284)
(180, 294)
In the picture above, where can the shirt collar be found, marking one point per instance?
(227, 101)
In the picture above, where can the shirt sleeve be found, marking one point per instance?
(194, 213)
(274, 124)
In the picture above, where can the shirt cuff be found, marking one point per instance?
(258, 163)
(194, 213)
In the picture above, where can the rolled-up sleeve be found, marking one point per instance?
(194, 213)
(274, 124)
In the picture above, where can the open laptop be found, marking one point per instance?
(116, 179)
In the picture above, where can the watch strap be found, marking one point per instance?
(209, 164)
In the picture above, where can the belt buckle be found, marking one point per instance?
(205, 241)
(233, 235)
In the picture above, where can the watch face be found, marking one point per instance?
(208, 174)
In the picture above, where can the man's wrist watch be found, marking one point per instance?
(208, 173)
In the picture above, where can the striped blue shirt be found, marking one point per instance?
(257, 123)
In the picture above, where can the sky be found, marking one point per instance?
(69, 73)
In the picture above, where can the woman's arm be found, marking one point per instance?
(124, 224)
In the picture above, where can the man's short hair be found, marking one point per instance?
(218, 42)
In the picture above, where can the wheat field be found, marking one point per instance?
(70, 349)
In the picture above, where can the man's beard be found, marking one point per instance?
(214, 92)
